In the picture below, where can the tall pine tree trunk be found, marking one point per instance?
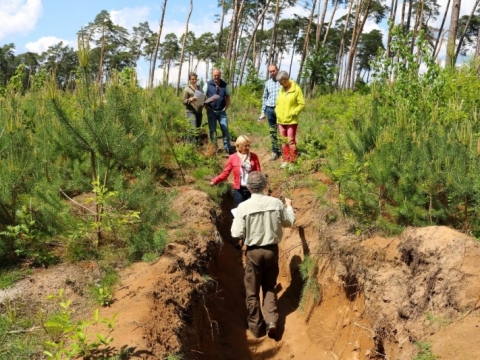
(351, 50)
(409, 16)
(102, 54)
(355, 39)
(393, 14)
(402, 20)
(417, 25)
(157, 45)
(305, 44)
(440, 32)
(330, 23)
(220, 36)
(321, 21)
(183, 48)
(273, 40)
(236, 50)
(342, 45)
(460, 41)
(452, 33)
(234, 29)
(293, 53)
(250, 41)
(259, 51)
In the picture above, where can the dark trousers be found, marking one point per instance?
(240, 195)
(272, 123)
(261, 271)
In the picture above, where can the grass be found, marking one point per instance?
(8, 277)
(20, 335)
(436, 320)
(311, 287)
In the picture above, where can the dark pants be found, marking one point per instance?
(241, 195)
(195, 120)
(261, 270)
(272, 123)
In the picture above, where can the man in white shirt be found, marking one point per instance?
(270, 92)
(259, 221)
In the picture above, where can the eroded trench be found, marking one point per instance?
(329, 324)
(366, 299)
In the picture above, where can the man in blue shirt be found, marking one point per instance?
(272, 86)
(218, 91)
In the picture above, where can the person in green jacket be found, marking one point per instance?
(290, 102)
(193, 109)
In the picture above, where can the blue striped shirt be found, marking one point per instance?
(270, 93)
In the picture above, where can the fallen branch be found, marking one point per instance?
(33, 328)
(364, 327)
(76, 203)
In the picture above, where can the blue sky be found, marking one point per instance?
(34, 25)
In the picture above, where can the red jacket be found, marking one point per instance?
(234, 163)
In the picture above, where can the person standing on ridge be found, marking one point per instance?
(218, 92)
(194, 111)
(290, 102)
(270, 93)
(259, 221)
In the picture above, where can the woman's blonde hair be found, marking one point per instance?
(241, 140)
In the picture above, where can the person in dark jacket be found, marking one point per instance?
(218, 92)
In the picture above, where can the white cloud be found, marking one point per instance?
(130, 17)
(19, 16)
(44, 43)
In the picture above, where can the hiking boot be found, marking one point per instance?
(271, 329)
(274, 157)
(257, 334)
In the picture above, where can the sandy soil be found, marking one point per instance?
(378, 296)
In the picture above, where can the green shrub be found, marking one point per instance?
(424, 352)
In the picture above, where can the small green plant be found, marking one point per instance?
(207, 278)
(103, 295)
(424, 351)
(103, 289)
(436, 320)
(106, 218)
(174, 357)
(27, 240)
(70, 338)
(311, 288)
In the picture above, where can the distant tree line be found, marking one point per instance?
(334, 54)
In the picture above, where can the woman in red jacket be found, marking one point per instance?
(242, 163)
